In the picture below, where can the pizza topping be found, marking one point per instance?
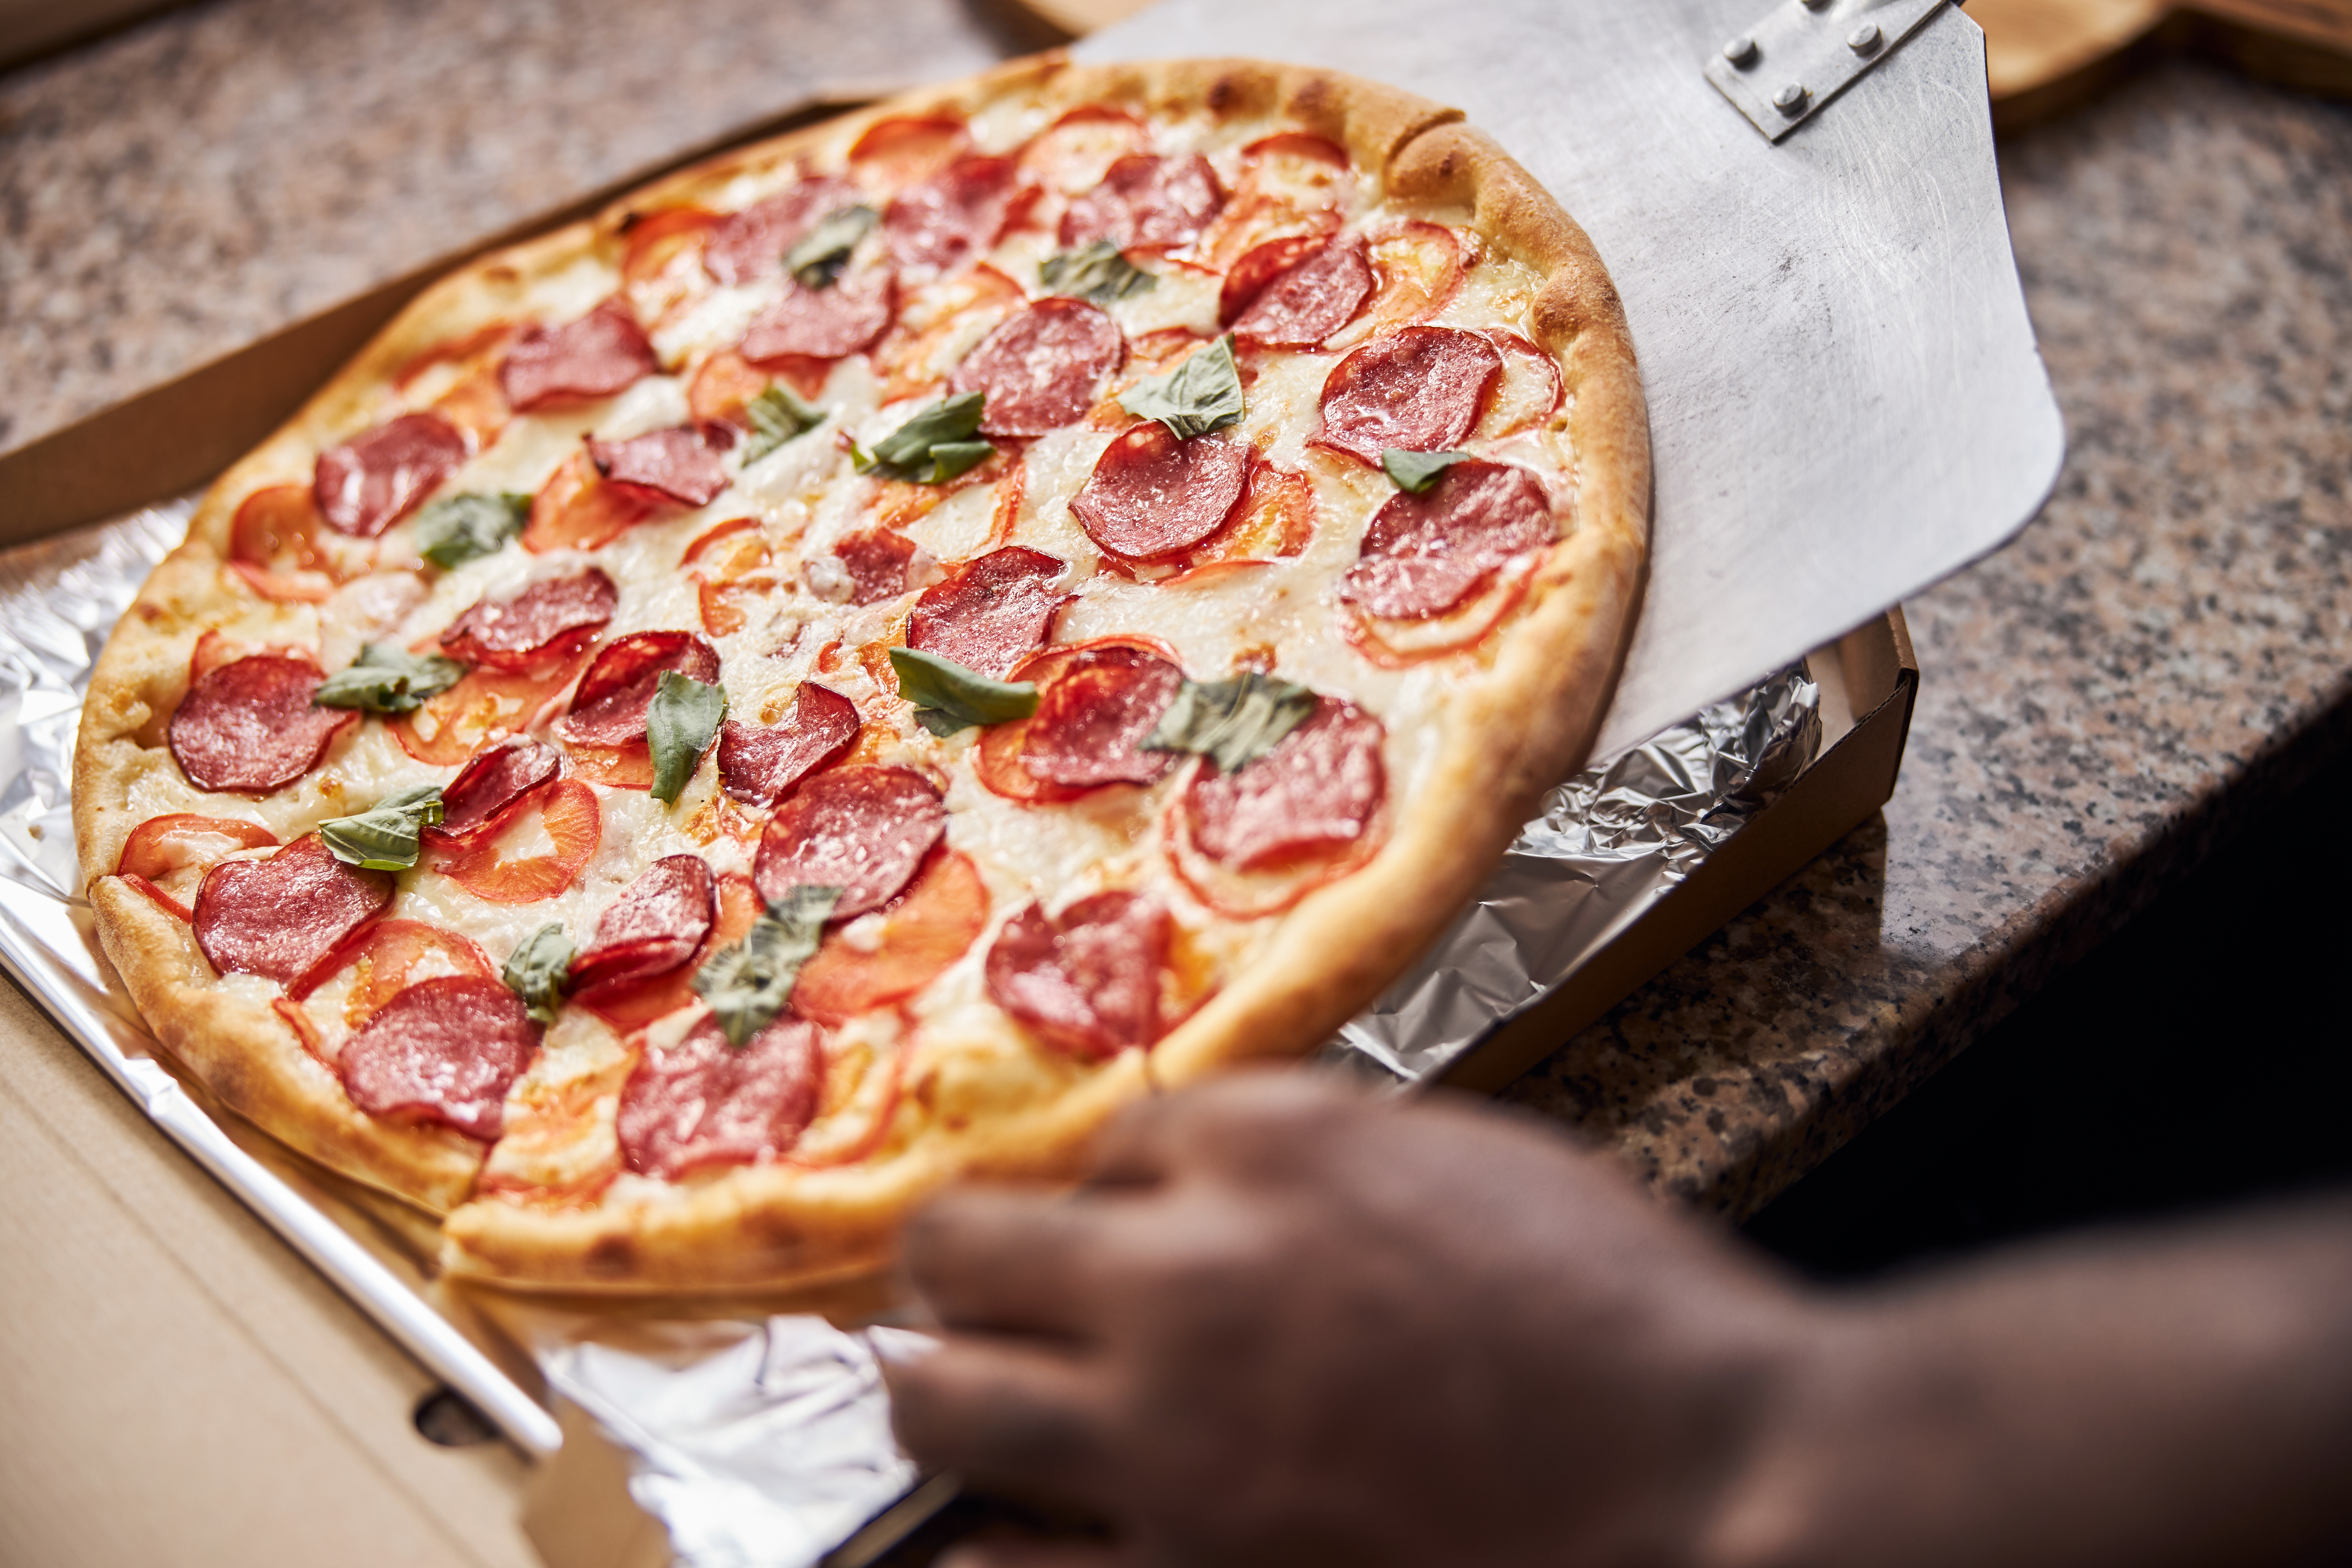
(387, 836)
(949, 699)
(1201, 395)
(546, 620)
(1416, 471)
(935, 444)
(1043, 367)
(941, 914)
(388, 679)
(602, 353)
(817, 260)
(486, 705)
(861, 829)
(277, 917)
(680, 463)
(703, 1102)
(1094, 271)
(577, 509)
(537, 969)
(250, 725)
(566, 817)
(457, 529)
(1092, 720)
(680, 723)
(375, 479)
(162, 845)
(475, 803)
(747, 246)
(747, 985)
(1297, 300)
(1314, 792)
(1150, 493)
(1147, 201)
(392, 950)
(991, 611)
(823, 323)
(938, 223)
(1422, 555)
(444, 1051)
(759, 763)
(1420, 390)
(652, 928)
(1087, 981)
(874, 566)
(776, 415)
(1231, 722)
(609, 709)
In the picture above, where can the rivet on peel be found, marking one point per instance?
(1790, 99)
(1864, 40)
(1740, 52)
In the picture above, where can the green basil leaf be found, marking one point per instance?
(1201, 395)
(777, 415)
(748, 984)
(680, 727)
(935, 445)
(388, 679)
(1416, 471)
(457, 529)
(1231, 722)
(1096, 271)
(384, 838)
(949, 698)
(817, 260)
(537, 971)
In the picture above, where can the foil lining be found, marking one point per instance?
(773, 1450)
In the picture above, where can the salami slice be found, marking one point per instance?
(1305, 301)
(1314, 792)
(1421, 390)
(442, 1052)
(277, 917)
(991, 611)
(1151, 494)
(937, 225)
(651, 929)
(1423, 554)
(876, 562)
(1091, 721)
(1087, 981)
(609, 708)
(248, 726)
(680, 463)
(474, 804)
(702, 1102)
(823, 323)
(602, 353)
(747, 246)
(375, 479)
(1147, 201)
(1043, 367)
(545, 621)
(760, 764)
(862, 829)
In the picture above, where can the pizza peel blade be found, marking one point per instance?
(1846, 403)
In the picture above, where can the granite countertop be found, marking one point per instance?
(2150, 667)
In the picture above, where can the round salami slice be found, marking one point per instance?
(1091, 721)
(475, 803)
(602, 353)
(1314, 792)
(277, 917)
(442, 1052)
(1042, 368)
(545, 621)
(862, 829)
(1307, 300)
(1151, 494)
(1087, 981)
(1421, 390)
(375, 479)
(747, 246)
(876, 562)
(703, 1102)
(938, 223)
(680, 464)
(823, 323)
(651, 929)
(1423, 554)
(1147, 201)
(248, 725)
(609, 708)
(991, 611)
(760, 764)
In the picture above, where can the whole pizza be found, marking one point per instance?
(875, 652)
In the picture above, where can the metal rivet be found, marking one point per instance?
(1815, 5)
(1790, 99)
(1740, 50)
(1864, 40)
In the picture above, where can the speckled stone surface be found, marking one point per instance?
(2148, 669)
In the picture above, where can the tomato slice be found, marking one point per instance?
(904, 148)
(924, 929)
(392, 949)
(488, 703)
(739, 905)
(568, 813)
(578, 510)
(614, 767)
(159, 897)
(162, 845)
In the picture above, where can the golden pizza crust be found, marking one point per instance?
(1514, 728)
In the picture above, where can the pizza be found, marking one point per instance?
(871, 654)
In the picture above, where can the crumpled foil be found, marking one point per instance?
(775, 1449)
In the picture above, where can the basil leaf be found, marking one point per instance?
(1096, 271)
(817, 260)
(387, 679)
(934, 446)
(1231, 722)
(457, 529)
(748, 984)
(537, 971)
(384, 838)
(680, 727)
(1201, 395)
(777, 415)
(1416, 471)
(949, 698)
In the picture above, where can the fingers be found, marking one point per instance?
(1006, 1260)
(1004, 1413)
(1251, 1120)
(1037, 1555)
